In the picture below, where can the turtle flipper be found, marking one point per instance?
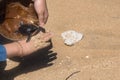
(28, 38)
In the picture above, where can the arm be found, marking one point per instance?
(23, 48)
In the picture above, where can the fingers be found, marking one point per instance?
(46, 15)
(45, 44)
(42, 11)
(41, 40)
(44, 37)
(47, 36)
(43, 18)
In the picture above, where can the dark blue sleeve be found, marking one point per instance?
(3, 54)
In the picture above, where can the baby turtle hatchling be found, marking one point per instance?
(29, 30)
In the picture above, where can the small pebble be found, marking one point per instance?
(87, 57)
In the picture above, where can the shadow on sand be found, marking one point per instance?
(40, 59)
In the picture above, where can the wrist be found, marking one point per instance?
(12, 51)
(20, 47)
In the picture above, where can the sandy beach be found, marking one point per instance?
(95, 57)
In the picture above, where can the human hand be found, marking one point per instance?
(42, 11)
(23, 48)
(37, 42)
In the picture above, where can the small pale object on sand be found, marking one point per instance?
(70, 37)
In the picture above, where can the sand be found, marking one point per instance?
(96, 56)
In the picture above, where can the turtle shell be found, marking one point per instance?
(15, 13)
